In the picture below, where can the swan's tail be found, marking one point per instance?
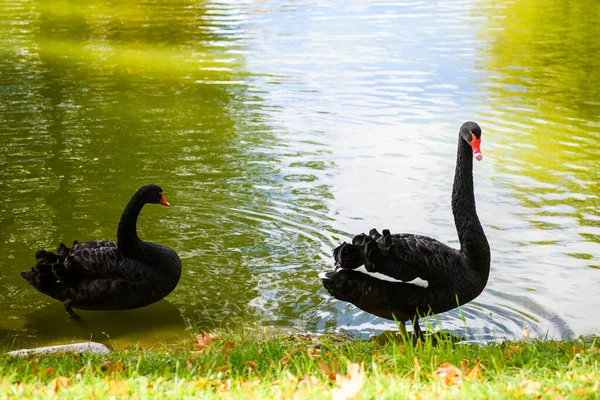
(365, 250)
(49, 272)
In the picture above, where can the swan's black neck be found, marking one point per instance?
(128, 241)
(473, 243)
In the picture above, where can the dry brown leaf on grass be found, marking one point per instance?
(530, 387)
(349, 385)
(118, 388)
(117, 366)
(449, 375)
(251, 365)
(204, 383)
(204, 340)
(475, 373)
(324, 368)
(463, 366)
(551, 391)
(579, 391)
(58, 382)
(515, 349)
(228, 345)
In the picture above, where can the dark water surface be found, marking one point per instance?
(278, 129)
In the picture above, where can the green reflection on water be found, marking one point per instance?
(98, 100)
(542, 75)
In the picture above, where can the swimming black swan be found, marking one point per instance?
(104, 275)
(405, 276)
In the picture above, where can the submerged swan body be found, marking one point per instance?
(106, 275)
(405, 276)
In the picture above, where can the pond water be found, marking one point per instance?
(278, 129)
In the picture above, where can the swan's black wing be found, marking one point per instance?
(404, 257)
(93, 260)
(98, 259)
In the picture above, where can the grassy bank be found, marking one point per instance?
(256, 367)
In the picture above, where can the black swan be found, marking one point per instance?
(104, 275)
(405, 276)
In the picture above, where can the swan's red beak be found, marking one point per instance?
(475, 144)
(164, 201)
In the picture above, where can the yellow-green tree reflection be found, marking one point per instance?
(100, 98)
(543, 86)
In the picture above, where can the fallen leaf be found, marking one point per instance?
(58, 382)
(579, 391)
(449, 375)
(50, 371)
(229, 345)
(251, 365)
(324, 367)
(202, 383)
(463, 366)
(551, 391)
(349, 385)
(530, 387)
(118, 388)
(475, 373)
(117, 366)
(204, 340)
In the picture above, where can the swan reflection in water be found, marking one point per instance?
(158, 322)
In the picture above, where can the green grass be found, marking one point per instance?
(255, 367)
